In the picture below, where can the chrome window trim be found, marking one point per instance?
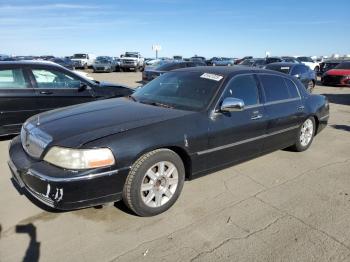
(46, 178)
(281, 101)
(246, 140)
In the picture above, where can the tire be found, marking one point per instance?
(303, 143)
(137, 69)
(214, 64)
(85, 66)
(160, 192)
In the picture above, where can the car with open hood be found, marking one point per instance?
(140, 148)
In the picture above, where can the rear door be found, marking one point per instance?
(55, 88)
(17, 99)
(301, 72)
(236, 136)
(284, 111)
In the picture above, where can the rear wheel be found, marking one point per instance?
(154, 182)
(305, 135)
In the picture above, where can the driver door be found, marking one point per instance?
(55, 89)
(237, 136)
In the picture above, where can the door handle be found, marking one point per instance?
(46, 92)
(255, 117)
(301, 108)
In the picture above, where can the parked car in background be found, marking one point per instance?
(31, 87)
(299, 71)
(306, 60)
(197, 59)
(338, 76)
(83, 60)
(328, 65)
(222, 61)
(238, 61)
(132, 61)
(65, 62)
(184, 124)
(260, 62)
(151, 73)
(177, 57)
(104, 64)
(290, 59)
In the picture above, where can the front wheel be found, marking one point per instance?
(154, 182)
(305, 135)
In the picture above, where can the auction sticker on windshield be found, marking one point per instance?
(212, 77)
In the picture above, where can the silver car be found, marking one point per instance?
(105, 64)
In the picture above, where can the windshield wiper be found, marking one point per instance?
(156, 104)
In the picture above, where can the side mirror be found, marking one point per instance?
(231, 104)
(82, 87)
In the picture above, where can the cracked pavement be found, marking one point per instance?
(284, 206)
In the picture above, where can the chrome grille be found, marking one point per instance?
(34, 140)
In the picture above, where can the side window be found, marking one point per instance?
(304, 69)
(12, 78)
(292, 88)
(275, 88)
(243, 87)
(54, 79)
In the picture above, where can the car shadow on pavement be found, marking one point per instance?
(33, 251)
(341, 127)
(341, 99)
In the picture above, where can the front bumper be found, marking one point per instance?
(64, 189)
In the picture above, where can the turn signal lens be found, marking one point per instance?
(79, 158)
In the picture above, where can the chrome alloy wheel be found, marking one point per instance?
(306, 132)
(159, 184)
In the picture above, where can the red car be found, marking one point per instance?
(338, 76)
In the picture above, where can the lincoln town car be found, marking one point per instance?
(181, 125)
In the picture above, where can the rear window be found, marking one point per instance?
(279, 68)
(170, 66)
(275, 88)
(12, 78)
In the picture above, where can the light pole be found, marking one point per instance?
(156, 48)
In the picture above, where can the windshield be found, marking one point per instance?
(131, 55)
(79, 56)
(247, 62)
(259, 62)
(181, 90)
(305, 59)
(170, 66)
(345, 65)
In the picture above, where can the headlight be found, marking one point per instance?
(79, 158)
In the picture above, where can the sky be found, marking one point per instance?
(232, 28)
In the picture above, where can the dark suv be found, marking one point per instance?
(28, 88)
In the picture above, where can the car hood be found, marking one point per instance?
(338, 72)
(76, 125)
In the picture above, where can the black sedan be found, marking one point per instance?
(151, 73)
(183, 124)
(300, 71)
(29, 88)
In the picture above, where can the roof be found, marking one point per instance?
(290, 64)
(221, 70)
(27, 62)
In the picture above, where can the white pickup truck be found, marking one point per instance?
(83, 60)
(131, 61)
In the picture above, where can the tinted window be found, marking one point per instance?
(298, 70)
(243, 87)
(181, 90)
(274, 87)
(292, 88)
(12, 78)
(345, 65)
(170, 66)
(280, 68)
(54, 79)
